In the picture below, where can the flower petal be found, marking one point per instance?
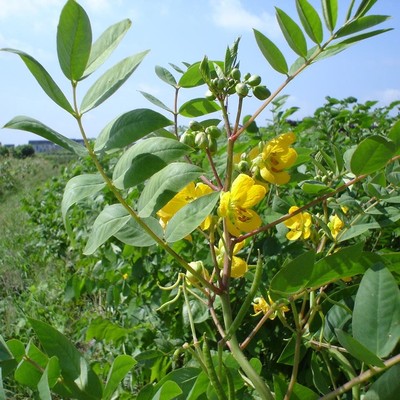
(239, 267)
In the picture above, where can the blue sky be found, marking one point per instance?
(176, 31)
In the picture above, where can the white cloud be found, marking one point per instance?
(232, 14)
(389, 95)
(24, 8)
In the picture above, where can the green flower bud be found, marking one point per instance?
(235, 74)
(213, 131)
(212, 144)
(261, 92)
(221, 83)
(200, 140)
(247, 76)
(195, 126)
(198, 267)
(187, 138)
(243, 166)
(242, 89)
(254, 80)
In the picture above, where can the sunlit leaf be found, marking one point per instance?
(292, 32)
(106, 44)
(193, 77)
(372, 154)
(198, 107)
(330, 11)
(394, 136)
(271, 53)
(145, 158)
(28, 124)
(119, 368)
(108, 223)
(189, 217)
(310, 20)
(363, 36)
(74, 40)
(78, 188)
(164, 185)
(130, 127)
(361, 24)
(364, 7)
(376, 314)
(156, 101)
(110, 81)
(44, 79)
(165, 75)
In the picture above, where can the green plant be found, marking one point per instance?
(248, 220)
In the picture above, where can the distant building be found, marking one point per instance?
(45, 146)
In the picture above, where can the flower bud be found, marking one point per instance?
(198, 267)
(242, 89)
(212, 144)
(261, 92)
(243, 166)
(195, 126)
(187, 138)
(213, 131)
(200, 140)
(235, 74)
(254, 80)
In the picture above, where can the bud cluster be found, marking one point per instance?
(200, 137)
(221, 87)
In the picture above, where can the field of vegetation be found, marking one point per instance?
(105, 303)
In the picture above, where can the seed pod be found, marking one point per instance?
(242, 89)
(254, 80)
(213, 131)
(261, 92)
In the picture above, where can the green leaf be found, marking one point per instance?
(189, 217)
(200, 386)
(43, 387)
(145, 158)
(300, 392)
(120, 367)
(130, 127)
(49, 378)
(198, 107)
(287, 355)
(361, 24)
(330, 11)
(193, 76)
(358, 38)
(79, 188)
(44, 79)
(165, 76)
(102, 329)
(155, 101)
(372, 154)
(28, 124)
(108, 223)
(134, 235)
(8, 361)
(74, 40)
(105, 45)
(315, 188)
(292, 32)
(111, 81)
(376, 315)
(77, 373)
(364, 7)
(294, 276)
(394, 136)
(164, 185)
(310, 20)
(387, 386)
(2, 392)
(168, 391)
(357, 350)
(271, 53)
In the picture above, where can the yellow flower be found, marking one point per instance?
(235, 205)
(260, 305)
(185, 196)
(299, 225)
(276, 156)
(239, 266)
(335, 225)
(125, 277)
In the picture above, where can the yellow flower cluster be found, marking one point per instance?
(236, 205)
(299, 225)
(335, 225)
(260, 305)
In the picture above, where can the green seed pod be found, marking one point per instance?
(254, 80)
(213, 131)
(200, 140)
(261, 92)
(210, 95)
(242, 89)
(235, 74)
(187, 138)
(195, 126)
